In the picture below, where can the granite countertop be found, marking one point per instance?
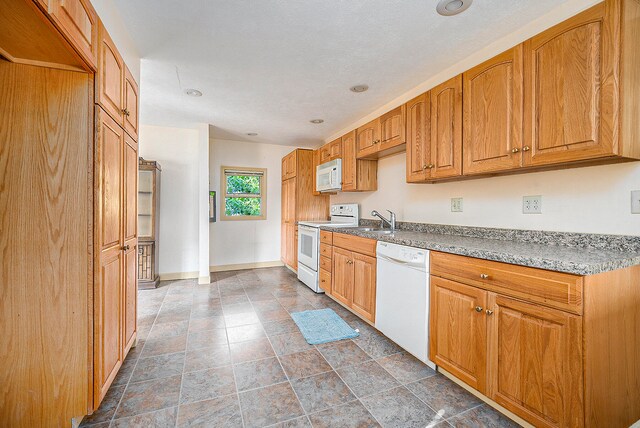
(580, 254)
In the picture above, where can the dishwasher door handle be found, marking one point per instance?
(391, 259)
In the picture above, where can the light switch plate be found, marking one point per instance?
(635, 202)
(532, 204)
(456, 205)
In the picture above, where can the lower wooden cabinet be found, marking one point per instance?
(553, 348)
(353, 275)
(458, 339)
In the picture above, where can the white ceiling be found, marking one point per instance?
(269, 66)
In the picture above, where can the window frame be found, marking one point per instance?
(225, 195)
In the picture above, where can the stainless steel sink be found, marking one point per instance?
(374, 230)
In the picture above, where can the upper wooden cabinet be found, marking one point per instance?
(289, 165)
(418, 123)
(368, 139)
(383, 136)
(570, 83)
(110, 77)
(78, 21)
(331, 151)
(446, 129)
(358, 175)
(493, 104)
(130, 110)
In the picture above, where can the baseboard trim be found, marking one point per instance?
(241, 266)
(178, 275)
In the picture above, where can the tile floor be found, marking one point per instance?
(228, 354)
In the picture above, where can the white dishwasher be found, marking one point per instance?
(402, 297)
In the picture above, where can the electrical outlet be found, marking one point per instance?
(635, 202)
(532, 204)
(456, 205)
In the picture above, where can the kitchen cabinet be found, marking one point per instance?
(493, 114)
(534, 340)
(110, 77)
(298, 202)
(418, 122)
(130, 110)
(353, 274)
(570, 84)
(331, 151)
(78, 22)
(368, 139)
(392, 131)
(446, 129)
(458, 339)
(358, 175)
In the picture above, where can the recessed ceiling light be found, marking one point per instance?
(452, 7)
(193, 92)
(316, 121)
(359, 88)
(252, 134)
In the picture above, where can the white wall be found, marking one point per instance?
(176, 150)
(254, 241)
(592, 199)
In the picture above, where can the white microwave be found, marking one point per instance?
(329, 176)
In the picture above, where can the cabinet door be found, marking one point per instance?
(130, 104)
(418, 113)
(570, 90)
(493, 109)
(289, 165)
(342, 276)
(335, 149)
(79, 22)
(349, 161)
(536, 362)
(283, 221)
(130, 204)
(325, 153)
(107, 322)
(130, 294)
(110, 77)
(446, 128)
(368, 139)
(458, 330)
(392, 129)
(364, 286)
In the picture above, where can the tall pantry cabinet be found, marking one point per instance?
(69, 156)
(116, 217)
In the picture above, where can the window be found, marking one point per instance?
(244, 193)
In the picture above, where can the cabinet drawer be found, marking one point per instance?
(325, 281)
(326, 237)
(325, 263)
(326, 250)
(356, 244)
(554, 289)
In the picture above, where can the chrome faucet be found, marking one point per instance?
(391, 222)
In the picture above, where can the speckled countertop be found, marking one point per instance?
(581, 254)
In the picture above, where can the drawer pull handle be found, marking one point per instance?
(484, 276)
(489, 312)
(526, 149)
(478, 308)
(515, 150)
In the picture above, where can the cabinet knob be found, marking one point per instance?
(478, 308)
(430, 166)
(125, 248)
(126, 112)
(526, 148)
(425, 167)
(489, 312)
(515, 150)
(484, 276)
(376, 141)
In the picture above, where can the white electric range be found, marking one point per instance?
(342, 215)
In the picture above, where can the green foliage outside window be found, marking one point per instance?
(244, 205)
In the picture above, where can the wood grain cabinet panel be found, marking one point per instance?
(130, 111)
(364, 286)
(109, 160)
(108, 353)
(130, 188)
(342, 276)
(536, 362)
(392, 128)
(325, 280)
(418, 123)
(570, 90)
(358, 175)
(110, 77)
(458, 331)
(368, 139)
(78, 21)
(493, 114)
(331, 151)
(130, 295)
(446, 128)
